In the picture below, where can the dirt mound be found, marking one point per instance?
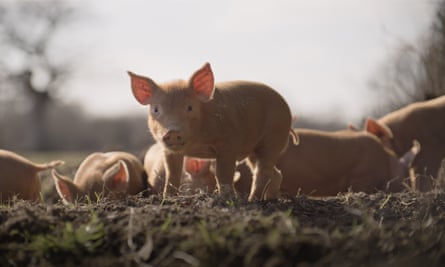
(204, 230)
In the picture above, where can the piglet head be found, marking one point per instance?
(112, 183)
(175, 111)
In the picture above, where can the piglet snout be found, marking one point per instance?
(173, 138)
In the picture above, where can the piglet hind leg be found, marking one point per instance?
(267, 178)
(266, 181)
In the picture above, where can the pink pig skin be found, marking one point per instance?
(19, 176)
(227, 121)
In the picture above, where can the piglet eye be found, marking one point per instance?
(189, 108)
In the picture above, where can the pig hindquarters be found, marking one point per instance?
(19, 176)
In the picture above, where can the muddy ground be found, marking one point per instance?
(352, 229)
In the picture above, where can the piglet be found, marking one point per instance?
(19, 176)
(326, 163)
(111, 174)
(226, 121)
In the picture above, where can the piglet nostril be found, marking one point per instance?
(173, 138)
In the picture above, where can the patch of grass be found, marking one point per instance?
(69, 240)
(255, 240)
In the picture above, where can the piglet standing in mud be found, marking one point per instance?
(227, 121)
(109, 174)
(19, 176)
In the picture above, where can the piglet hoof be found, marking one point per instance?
(170, 190)
(269, 192)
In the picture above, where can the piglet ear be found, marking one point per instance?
(66, 189)
(378, 129)
(203, 83)
(142, 88)
(195, 166)
(116, 178)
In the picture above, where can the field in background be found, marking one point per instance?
(352, 229)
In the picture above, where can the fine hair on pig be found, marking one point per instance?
(111, 174)
(423, 121)
(225, 121)
(19, 176)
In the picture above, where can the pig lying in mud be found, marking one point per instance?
(19, 176)
(227, 121)
(326, 163)
(111, 174)
(197, 173)
(423, 121)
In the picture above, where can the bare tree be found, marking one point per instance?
(414, 72)
(396, 82)
(433, 57)
(30, 74)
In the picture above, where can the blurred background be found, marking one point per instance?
(63, 81)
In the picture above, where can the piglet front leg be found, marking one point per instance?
(173, 166)
(225, 170)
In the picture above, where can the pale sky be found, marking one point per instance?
(319, 54)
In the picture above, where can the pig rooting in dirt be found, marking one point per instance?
(19, 176)
(111, 174)
(226, 121)
(197, 173)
